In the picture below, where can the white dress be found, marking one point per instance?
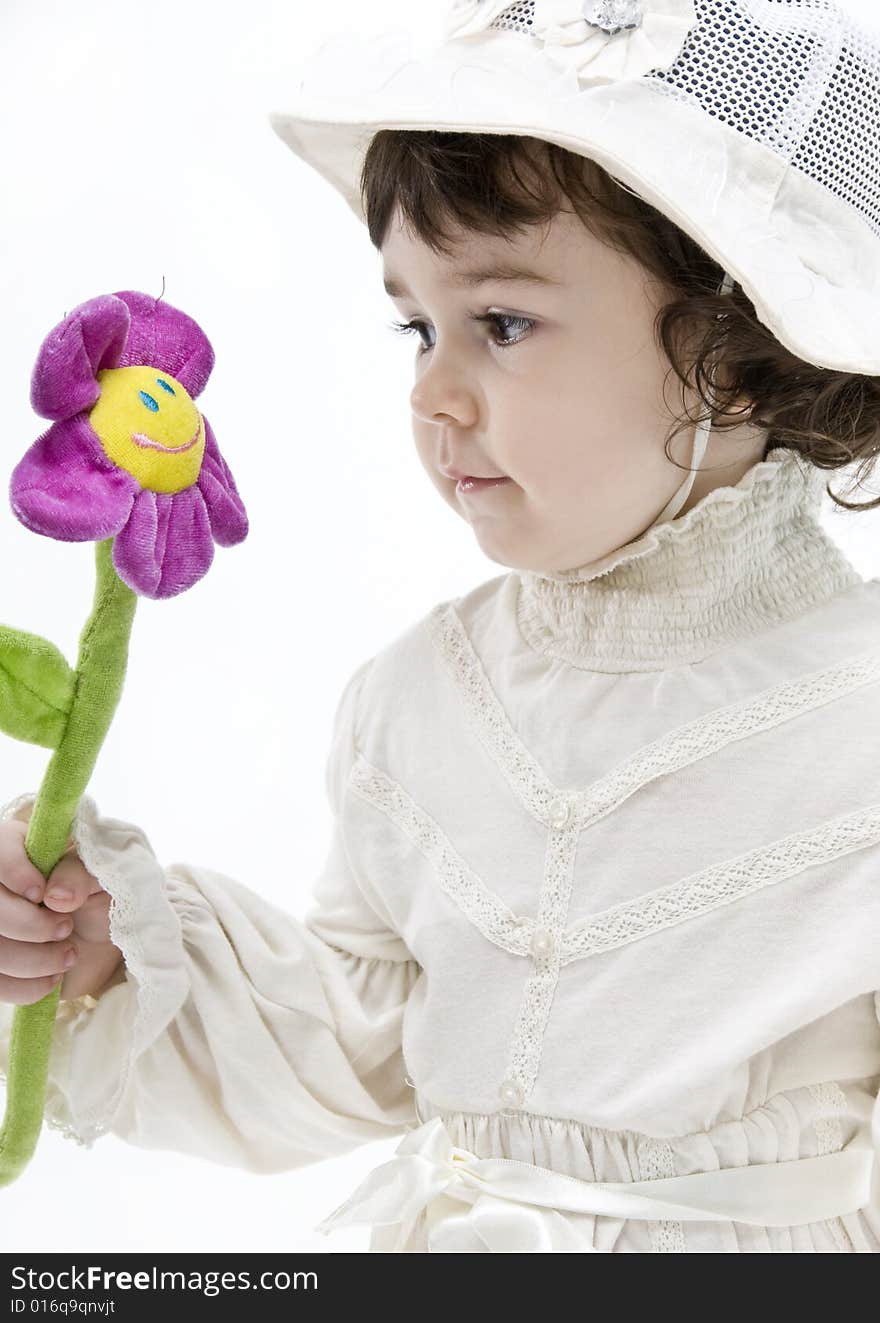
(602, 902)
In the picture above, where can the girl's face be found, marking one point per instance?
(551, 378)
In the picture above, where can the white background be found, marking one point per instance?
(135, 149)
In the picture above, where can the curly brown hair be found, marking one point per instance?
(499, 184)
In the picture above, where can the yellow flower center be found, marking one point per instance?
(148, 424)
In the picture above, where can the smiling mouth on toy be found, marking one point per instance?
(142, 440)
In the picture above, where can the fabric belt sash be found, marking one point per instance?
(501, 1205)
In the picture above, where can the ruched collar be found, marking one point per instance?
(745, 557)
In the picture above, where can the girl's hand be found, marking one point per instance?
(41, 922)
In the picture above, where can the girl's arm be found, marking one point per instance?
(236, 1031)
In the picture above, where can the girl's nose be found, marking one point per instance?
(441, 392)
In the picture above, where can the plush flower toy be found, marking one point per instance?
(130, 464)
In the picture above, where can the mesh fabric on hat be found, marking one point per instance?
(798, 76)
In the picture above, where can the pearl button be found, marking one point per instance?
(510, 1093)
(542, 942)
(560, 812)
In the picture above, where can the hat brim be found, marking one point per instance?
(805, 257)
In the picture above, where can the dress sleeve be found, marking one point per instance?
(236, 1032)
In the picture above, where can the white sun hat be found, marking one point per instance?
(754, 125)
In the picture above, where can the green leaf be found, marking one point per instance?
(36, 688)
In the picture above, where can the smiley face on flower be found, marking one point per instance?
(149, 425)
(129, 455)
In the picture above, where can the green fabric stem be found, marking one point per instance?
(99, 676)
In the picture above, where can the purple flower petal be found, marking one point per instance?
(65, 487)
(166, 546)
(90, 338)
(229, 522)
(166, 338)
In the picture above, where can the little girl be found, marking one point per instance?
(599, 927)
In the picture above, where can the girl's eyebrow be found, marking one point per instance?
(472, 277)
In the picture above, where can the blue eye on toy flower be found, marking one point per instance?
(129, 455)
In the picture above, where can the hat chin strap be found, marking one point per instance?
(701, 441)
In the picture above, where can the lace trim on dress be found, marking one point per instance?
(566, 813)
(545, 939)
(485, 910)
(677, 749)
(723, 883)
(524, 773)
(830, 1098)
(657, 1161)
(538, 939)
(546, 945)
(664, 906)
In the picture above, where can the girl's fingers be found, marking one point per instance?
(91, 972)
(34, 960)
(25, 991)
(26, 922)
(17, 873)
(69, 884)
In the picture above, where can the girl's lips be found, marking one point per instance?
(467, 485)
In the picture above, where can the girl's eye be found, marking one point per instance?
(497, 319)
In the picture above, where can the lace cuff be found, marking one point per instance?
(97, 1040)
